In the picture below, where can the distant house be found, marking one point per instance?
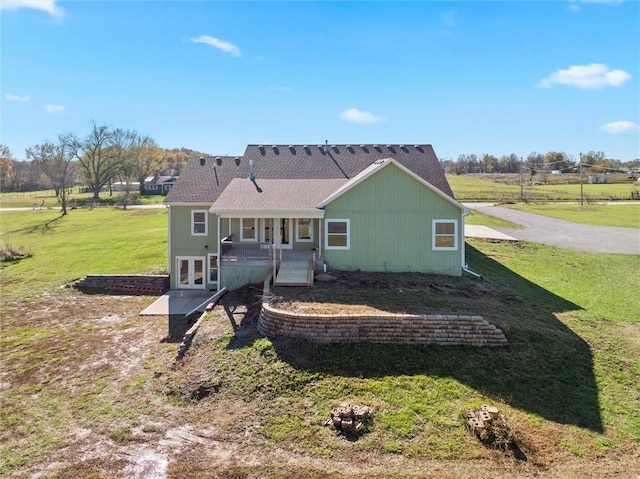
(234, 220)
(158, 185)
(124, 186)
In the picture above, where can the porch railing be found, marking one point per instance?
(244, 249)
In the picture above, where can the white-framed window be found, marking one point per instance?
(212, 263)
(248, 229)
(304, 230)
(199, 222)
(336, 234)
(445, 235)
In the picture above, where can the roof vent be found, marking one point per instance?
(202, 161)
(326, 146)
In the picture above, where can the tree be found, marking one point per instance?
(147, 159)
(6, 166)
(95, 156)
(489, 163)
(55, 160)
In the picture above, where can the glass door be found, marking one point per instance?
(190, 272)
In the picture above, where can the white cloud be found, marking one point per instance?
(53, 108)
(574, 4)
(587, 77)
(621, 126)
(226, 47)
(11, 97)
(358, 116)
(48, 6)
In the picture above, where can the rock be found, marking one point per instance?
(350, 419)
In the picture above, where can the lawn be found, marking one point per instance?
(46, 199)
(477, 188)
(88, 389)
(625, 216)
(65, 248)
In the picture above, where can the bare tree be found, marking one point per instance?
(95, 155)
(55, 160)
(147, 158)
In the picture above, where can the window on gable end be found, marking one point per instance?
(445, 235)
(199, 222)
(337, 234)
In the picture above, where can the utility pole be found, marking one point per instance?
(581, 192)
(521, 183)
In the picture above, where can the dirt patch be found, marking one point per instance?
(86, 392)
(410, 293)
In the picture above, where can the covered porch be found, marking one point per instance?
(267, 226)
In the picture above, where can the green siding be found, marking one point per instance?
(183, 243)
(391, 217)
(233, 277)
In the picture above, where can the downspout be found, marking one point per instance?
(219, 259)
(466, 269)
(465, 265)
(170, 247)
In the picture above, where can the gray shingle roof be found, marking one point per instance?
(204, 183)
(268, 194)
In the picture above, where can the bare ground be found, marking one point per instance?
(83, 395)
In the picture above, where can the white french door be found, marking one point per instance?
(191, 272)
(283, 233)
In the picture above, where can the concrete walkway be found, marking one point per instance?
(485, 232)
(177, 302)
(565, 234)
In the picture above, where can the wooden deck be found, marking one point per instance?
(295, 273)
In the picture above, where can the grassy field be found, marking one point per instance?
(47, 199)
(62, 249)
(87, 387)
(478, 188)
(625, 216)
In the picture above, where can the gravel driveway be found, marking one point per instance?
(565, 234)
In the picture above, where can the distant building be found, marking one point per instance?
(158, 185)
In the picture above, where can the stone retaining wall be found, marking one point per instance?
(436, 329)
(124, 283)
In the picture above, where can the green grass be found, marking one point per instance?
(46, 199)
(479, 188)
(65, 248)
(626, 216)
(477, 218)
(569, 379)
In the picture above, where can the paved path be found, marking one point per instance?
(565, 234)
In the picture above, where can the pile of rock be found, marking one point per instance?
(488, 425)
(350, 419)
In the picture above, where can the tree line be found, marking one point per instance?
(104, 156)
(536, 163)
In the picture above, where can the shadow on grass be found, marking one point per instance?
(546, 369)
(44, 227)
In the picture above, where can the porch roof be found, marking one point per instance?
(274, 198)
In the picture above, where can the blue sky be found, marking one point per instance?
(468, 77)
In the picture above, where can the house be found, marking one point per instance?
(235, 220)
(158, 185)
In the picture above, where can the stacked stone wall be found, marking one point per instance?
(416, 329)
(124, 283)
